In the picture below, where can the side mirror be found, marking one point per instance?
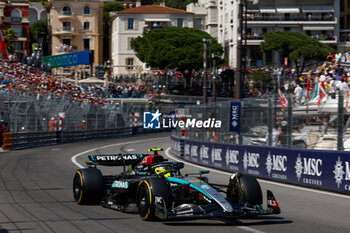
(204, 172)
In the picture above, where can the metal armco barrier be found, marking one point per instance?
(29, 140)
(328, 170)
(84, 135)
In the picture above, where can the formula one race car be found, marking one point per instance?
(155, 188)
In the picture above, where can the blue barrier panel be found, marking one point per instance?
(329, 170)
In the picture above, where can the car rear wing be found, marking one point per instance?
(114, 159)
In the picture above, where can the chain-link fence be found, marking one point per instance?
(24, 112)
(313, 125)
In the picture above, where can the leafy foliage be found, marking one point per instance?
(303, 50)
(178, 4)
(37, 29)
(42, 1)
(9, 35)
(173, 47)
(260, 77)
(108, 7)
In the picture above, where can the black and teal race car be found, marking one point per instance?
(155, 188)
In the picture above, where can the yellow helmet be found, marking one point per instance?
(165, 171)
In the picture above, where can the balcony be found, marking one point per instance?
(66, 15)
(60, 49)
(257, 19)
(65, 31)
(149, 27)
(327, 39)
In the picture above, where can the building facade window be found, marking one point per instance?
(16, 16)
(130, 23)
(66, 26)
(129, 63)
(198, 24)
(86, 25)
(17, 29)
(180, 22)
(86, 44)
(67, 41)
(130, 39)
(66, 10)
(86, 10)
(17, 45)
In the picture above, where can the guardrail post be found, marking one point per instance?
(270, 122)
(58, 136)
(289, 122)
(182, 148)
(340, 145)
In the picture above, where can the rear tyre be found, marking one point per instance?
(251, 190)
(147, 191)
(88, 186)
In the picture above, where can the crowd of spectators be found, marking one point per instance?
(26, 79)
(63, 48)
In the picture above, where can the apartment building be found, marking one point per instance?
(319, 19)
(15, 14)
(344, 36)
(131, 23)
(75, 26)
(206, 16)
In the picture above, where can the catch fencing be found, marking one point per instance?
(263, 122)
(24, 112)
(29, 120)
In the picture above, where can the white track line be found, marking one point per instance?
(249, 229)
(74, 158)
(262, 181)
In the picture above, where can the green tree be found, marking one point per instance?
(260, 78)
(38, 34)
(178, 4)
(303, 50)
(9, 35)
(42, 1)
(174, 47)
(108, 7)
(150, 2)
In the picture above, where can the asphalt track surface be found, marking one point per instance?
(36, 196)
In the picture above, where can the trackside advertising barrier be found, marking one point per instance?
(68, 59)
(328, 170)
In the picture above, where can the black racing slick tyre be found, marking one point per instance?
(147, 191)
(88, 186)
(251, 190)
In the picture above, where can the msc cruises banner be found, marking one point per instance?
(235, 116)
(311, 168)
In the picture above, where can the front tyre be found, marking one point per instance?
(88, 186)
(149, 191)
(145, 201)
(251, 190)
(244, 189)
